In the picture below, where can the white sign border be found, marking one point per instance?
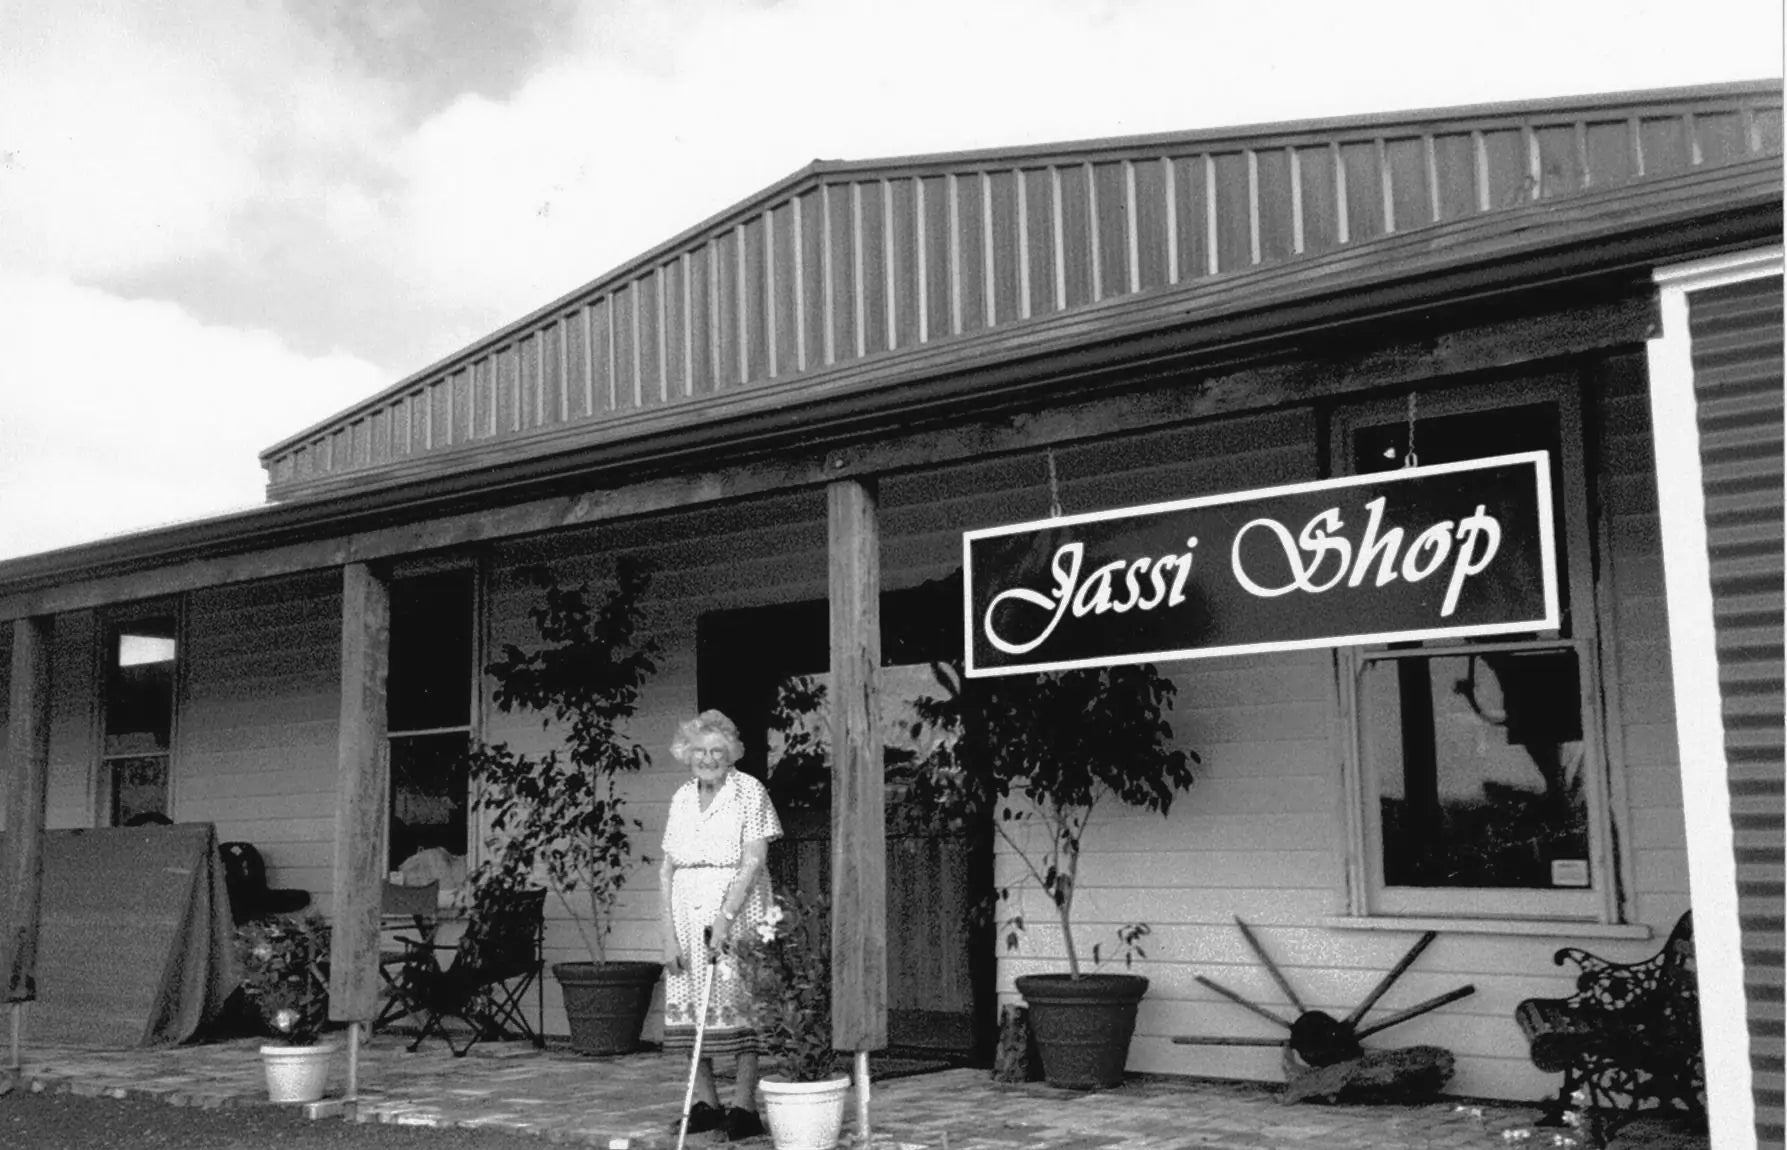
(1539, 460)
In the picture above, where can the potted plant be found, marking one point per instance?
(786, 966)
(1038, 755)
(559, 817)
(285, 979)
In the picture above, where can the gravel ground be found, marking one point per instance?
(64, 1121)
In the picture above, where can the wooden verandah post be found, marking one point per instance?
(27, 773)
(362, 783)
(858, 825)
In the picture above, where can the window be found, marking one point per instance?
(141, 656)
(1475, 760)
(428, 711)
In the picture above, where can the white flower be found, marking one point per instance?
(766, 933)
(285, 1020)
(774, 918)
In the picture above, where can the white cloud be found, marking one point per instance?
(124, 414)
(135, 135)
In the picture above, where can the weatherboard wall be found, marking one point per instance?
(1260, 835)
(259, 722)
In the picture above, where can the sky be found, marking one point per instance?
(222, 221)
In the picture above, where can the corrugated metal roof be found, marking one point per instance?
(843, 263)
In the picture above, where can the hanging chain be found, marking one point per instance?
(1054, 488)
(1410, 459)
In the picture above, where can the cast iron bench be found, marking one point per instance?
(1629, 1035)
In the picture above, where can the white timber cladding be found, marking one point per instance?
(1259, 836)
(1636, 657)
(258, 721)
(5, 714)
(72, 794)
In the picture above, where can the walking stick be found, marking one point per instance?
(707, 990)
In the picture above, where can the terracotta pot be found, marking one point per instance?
(606, 1003)
(1082, 1025)
(804, 1115)
(297, 1073)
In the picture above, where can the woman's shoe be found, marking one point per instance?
(741, 1124)
(702, 1118)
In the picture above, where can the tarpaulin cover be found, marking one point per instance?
(136, 944)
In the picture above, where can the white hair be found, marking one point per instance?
(707, 723)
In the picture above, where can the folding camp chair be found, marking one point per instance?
(495, 963)
(414, 908)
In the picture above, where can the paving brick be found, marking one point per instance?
(564, 1098)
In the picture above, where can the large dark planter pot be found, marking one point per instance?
(606, 1003)
(1082, 1025)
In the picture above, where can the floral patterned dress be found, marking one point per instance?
(707, 848)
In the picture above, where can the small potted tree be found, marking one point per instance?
(559, 817)
(285, 980)
(1038, 755)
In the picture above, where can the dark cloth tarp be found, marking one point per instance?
(136, 945)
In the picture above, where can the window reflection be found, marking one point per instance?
(1477, 761)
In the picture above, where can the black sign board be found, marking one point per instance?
(1451, 550)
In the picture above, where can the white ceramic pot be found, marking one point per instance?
(804, 1115)
(297, 1073)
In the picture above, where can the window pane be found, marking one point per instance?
(139, 787)
(428, 794)
(139, 710)
(430, 684)
(1477, 763)
(799, 735)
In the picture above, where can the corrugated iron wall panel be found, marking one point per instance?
(1277, 228)
(872, 264)
(1109, 225)
(862, 259)
(905, 246)
(1610, 147)
(1319, 207)
(1738, 387)
(754, 289)
(1232, 214)
(1665, 145)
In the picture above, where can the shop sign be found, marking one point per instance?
(1454, 549)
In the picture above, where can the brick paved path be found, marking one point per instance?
(564, 1097)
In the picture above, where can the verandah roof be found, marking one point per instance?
(897, 262)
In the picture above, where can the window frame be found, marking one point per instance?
(1368, 896)
(473, 728)
(111, 622)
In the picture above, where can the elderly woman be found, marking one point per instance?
(716, 844)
